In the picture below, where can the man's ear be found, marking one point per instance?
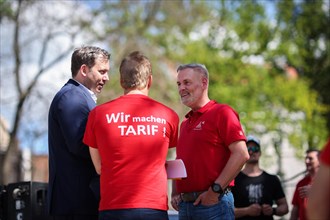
(149, 81)
(204, 82)
(84, 69)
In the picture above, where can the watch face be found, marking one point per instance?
(216, 188)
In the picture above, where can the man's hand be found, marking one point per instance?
(175, 200)
(303, 191)
(207, 198)
(267, 210)
(254, 210)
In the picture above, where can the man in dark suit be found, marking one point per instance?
(71, 171)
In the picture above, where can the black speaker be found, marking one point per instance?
(3, 202)
(27, 201)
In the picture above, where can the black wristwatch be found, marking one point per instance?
(217, 188)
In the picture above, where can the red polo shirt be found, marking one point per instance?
(301, 202)
(203, 144)
(325, 155)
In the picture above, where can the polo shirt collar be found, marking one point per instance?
(201, 110)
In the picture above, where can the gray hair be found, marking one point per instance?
(196, 66)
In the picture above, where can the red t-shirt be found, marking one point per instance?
(301, 203)
(325, 155)
(203, 144)
(133, 134)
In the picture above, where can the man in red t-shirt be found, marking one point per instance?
(319, 196)
(129, 139)
(212, 146)
(300, 196)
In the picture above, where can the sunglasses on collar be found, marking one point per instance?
(254, 149)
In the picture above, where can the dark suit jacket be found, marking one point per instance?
(70, 167)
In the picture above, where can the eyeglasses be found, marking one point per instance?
(254, 149)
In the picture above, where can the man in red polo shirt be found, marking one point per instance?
(212, 146)
(300, 196)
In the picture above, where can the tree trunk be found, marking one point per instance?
(11, 167)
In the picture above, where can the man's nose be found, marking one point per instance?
(106, 77)
(181, 87)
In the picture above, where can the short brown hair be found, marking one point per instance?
(135, 70)
(86, 55)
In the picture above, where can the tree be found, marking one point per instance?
(152, 27)
(242, 48)
(35, 49)
(303, 27)
(51, 35)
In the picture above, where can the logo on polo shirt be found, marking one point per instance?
(199, 126)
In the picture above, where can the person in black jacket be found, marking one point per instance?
(71, 171)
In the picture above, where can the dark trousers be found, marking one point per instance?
(75, 217)
(133, 214)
